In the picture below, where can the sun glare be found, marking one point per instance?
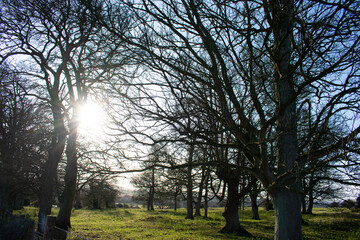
(91, 118)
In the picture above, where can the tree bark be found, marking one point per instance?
(189, 197)
(200, 193)
(68, 195)
(310, 206)
(206, 196)
(254, 206)
(150, 206)
(287, 215)
(254, 192)
(50, 172)
(311, 194)
(231, 213)
(303, 196)
(47, 188)
(286, 197)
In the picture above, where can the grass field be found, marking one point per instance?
(167, 224)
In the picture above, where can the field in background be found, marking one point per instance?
(167, 224)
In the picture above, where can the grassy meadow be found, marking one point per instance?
(166, 224)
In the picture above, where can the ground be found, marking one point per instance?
(325, 223)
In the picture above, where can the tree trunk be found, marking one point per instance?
(150, 205)
(198, 203)
(303, 203)
(254, 206)
(47, 189)
(199, 198)
(254, 192)
(68, 195)
(189, 197)
(175, 200)
(48, 180)
(206, 196)
(287, 214)
(286, 197)
(231, 213)
(151, 191)
(303, 196)
(310, 206)
(311, 194)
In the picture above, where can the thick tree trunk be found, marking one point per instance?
(48, 180)
(189, 197)
(286, 197)
(254, 192)
(254, 206)
(150, 205)
(198, 204)
(311, 203)
(310, 206)
(287, 214)
(189, 201)
(68, 195)
(231, 213)
(45, 198)
(47, 187)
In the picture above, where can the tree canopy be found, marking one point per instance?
(269, 88)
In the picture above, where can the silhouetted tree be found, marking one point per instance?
(24, 138)
(248, 65)
(99, 193)
(65, 53)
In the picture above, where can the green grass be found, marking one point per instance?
(167, 224)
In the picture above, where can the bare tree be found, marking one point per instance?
(100, 193)
(24, 136)
(66, 53)
(326, 168)
(258, 59)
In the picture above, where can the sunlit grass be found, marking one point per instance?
(167, 224)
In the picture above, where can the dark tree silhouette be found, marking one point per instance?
(65, 53)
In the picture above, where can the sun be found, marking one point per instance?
(91, 118)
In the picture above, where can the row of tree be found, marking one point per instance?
(25, 139)
(254, 92)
